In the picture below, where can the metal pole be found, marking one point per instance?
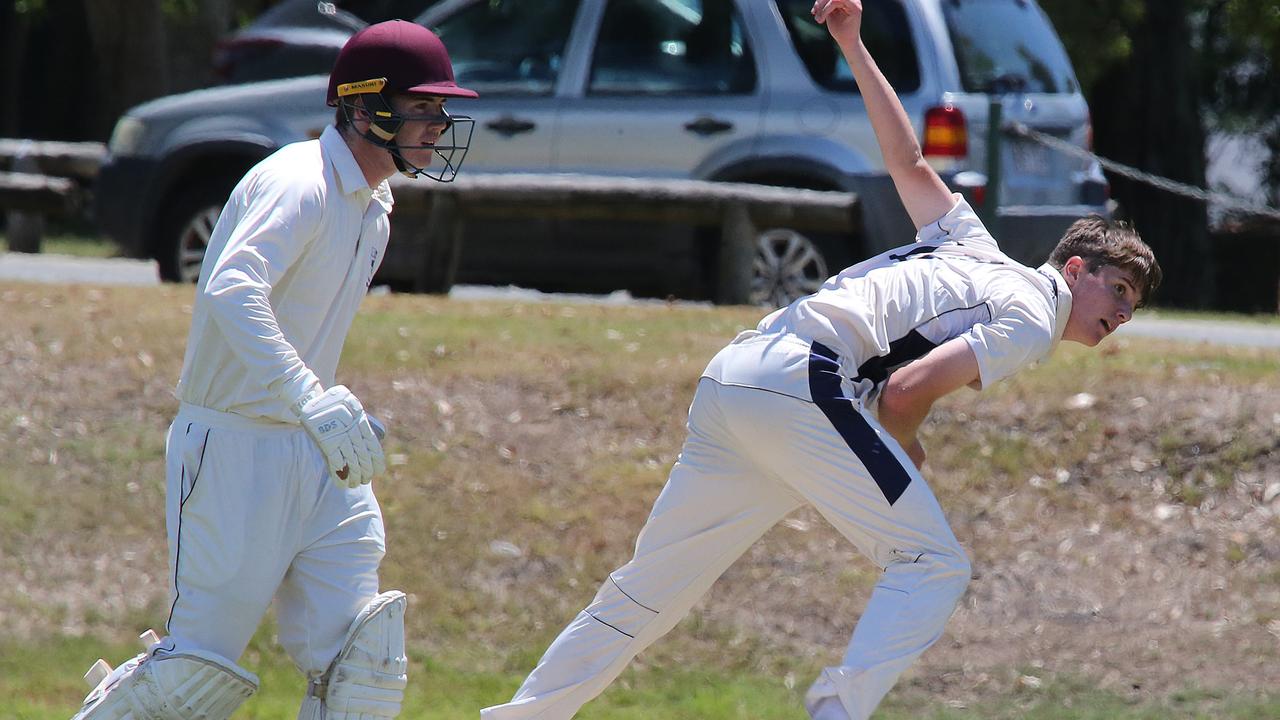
(991, 205)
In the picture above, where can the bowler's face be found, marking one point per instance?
(1101, 301)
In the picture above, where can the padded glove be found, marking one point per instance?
(337, 422)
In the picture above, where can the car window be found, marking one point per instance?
(1023, 56)
(672, 47)
(271, 62)
(349, 15)
(508, 46)
(885, 31)
(376, 11)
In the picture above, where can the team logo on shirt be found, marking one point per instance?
(373, 266)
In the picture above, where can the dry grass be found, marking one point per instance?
(1125, 541)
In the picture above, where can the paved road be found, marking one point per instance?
(65, 268)
(115, 271)
(1216, 332)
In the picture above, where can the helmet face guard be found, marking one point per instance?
(385, 124)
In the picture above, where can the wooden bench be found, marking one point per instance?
(739, 210)
(40, 179)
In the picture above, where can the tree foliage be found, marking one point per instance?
(1235, 45)
(1239, 41)
(1160, 74)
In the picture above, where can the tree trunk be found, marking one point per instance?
(1147, 114)
(131, 49)
(13, 42)
(199, 28)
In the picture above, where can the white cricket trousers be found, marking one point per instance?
(768, 432)
(252, 515)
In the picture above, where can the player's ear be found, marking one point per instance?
(1072, 268)
(359, 114)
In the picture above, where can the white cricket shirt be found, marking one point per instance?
(287, 266)
(952, 282)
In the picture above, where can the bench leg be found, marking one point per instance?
(736, 257)
(24, 230)
(443, 245)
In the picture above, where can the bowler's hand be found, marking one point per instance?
(337, 422)
(915, 451)
(843, 19)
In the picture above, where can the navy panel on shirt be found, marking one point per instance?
(901, 351)
(825, 390)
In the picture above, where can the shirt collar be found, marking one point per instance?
(1061, 299)
(350, 177)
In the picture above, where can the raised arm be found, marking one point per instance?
(923, 193)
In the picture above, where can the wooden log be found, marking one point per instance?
(29, 192)
(738, 210)
(586, 197)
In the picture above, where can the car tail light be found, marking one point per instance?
(945, 133)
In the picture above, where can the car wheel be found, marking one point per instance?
(185, 232)
(788, 265)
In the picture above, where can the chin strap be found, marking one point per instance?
(405, 167)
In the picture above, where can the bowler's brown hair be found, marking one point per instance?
(1099, 241)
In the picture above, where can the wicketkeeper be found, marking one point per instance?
(269, 460)
(820, 405)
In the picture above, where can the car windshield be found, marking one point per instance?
(885, 31)
(1007, 46)
(508, 46)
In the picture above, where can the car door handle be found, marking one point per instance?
(707, 125)
(509, 125)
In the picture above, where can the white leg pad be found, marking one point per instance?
(367, 679)
(190, 685)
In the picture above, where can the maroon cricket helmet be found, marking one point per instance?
(409, 56)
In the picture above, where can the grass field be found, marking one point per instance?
(72, 244)
(1124, 542)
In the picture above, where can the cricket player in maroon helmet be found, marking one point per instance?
(269, 460)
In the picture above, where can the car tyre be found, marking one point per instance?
(185, 229)
(787, 265)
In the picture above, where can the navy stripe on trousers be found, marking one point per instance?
(824, 388)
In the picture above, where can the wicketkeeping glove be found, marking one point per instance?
(337, 422)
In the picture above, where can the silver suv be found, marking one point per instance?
(726, 90)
